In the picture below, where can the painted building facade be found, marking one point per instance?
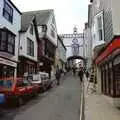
(28, 48)
(60, 54)
(107, 59)
(47, 43)
(10, 24)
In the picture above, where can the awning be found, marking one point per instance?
(109, 49)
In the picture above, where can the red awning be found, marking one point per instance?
(110, 48)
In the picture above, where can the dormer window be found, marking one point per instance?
(8, 12)
(31, 29)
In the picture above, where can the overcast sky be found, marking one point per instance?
(68, 13)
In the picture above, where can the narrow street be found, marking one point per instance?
(60, 103)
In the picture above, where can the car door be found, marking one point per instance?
(29, 86)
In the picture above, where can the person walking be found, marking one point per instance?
(87, 75)
(80, 73)
(58, 75)
(74, 70)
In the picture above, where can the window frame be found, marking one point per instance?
(30, 47)
(31, 29)
(7, 43)
(5, 11)
(99, 29)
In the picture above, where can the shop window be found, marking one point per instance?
(30, 47)
(116, 64)
(8, 12)
(7, 41)
(6, 71)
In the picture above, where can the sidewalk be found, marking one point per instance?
(97, 107)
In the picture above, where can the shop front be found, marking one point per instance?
(7, 68)
(109, 64)
(26, 66)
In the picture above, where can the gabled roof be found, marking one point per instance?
(41, 17)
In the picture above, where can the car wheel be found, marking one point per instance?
(20, 101)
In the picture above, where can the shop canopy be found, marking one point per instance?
(115, 44)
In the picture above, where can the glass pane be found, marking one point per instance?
(8, 9)
(10, 48)
(100, 35)
(3, 41)
(99, 22)
(28, 46)
(3, 46)
(11, 39)
(6, 15)
(32, 48)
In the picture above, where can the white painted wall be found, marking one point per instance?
(95, 35)
(14, 27)
(116, 16)
(52, 26)
(88, 46)
(61, 52)
(23, 44)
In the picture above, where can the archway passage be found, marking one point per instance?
(76, 61)
(75, 57)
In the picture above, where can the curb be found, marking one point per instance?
(82, 104)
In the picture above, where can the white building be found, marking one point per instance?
(106, 29)
(47, 33)
(10, 24)
(60, 54)
(28, 47)
(88, 46)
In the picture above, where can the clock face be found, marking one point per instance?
(75, 40)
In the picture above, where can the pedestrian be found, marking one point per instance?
(74, 70)
(58, 75)
(80, 73)
(87, 75)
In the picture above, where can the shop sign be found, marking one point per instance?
(113, 46)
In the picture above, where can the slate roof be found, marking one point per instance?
(41, 17)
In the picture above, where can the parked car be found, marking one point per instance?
(35, 79)
(17, 90)
(41, 79)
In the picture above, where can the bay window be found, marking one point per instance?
(7, 41)
(30, 47)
